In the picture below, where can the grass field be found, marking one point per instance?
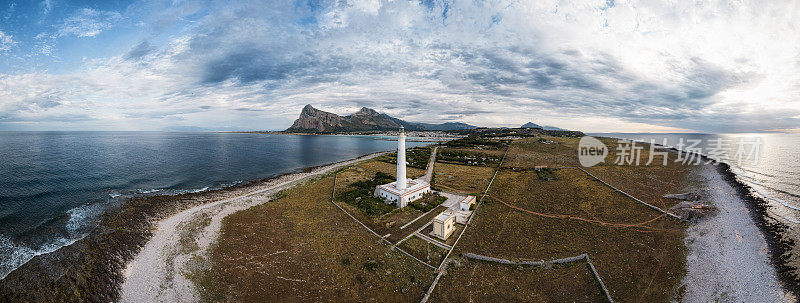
(646, 182)
(375, 166)
(529, 152)
(423, 250)
(477, 281)
(462, 178)
(572, 193)
(637, 264)
(302, 248)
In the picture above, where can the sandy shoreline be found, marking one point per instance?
(178, 247)
(728, 257)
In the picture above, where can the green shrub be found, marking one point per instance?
(361, 195)
(546, 174)
(416, 157)
(467, 158)
(372, 265)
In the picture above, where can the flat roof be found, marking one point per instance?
(411, 187)
(443, 216)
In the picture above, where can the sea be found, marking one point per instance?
(54, 185)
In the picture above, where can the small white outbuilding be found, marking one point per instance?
(444, 225)
(466, 203)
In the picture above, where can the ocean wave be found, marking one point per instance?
(749, 170)
(81, 217)
(737, 171)
(148, 191)
(199, 190)
(79, 221)
(759, 183)
(13, 256)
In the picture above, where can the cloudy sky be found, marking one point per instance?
(597, 66)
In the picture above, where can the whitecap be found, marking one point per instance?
(749, 180)
(81, 217)
(13, 256)
(149, 191)
(199, 190)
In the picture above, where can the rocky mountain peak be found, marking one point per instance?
(308, 110)
(365, 111)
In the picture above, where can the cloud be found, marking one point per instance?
(88, 22)
(139, 51)
(6, 42)
(703, 67)
(47, 6)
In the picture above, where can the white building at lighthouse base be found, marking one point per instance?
(413, 191)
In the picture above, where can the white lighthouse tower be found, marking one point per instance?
(402, 191)
(401, 160)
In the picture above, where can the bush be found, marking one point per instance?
(372, 265)
(546, 174)
(416, 157)
(428, 202)
(361, 196)
(467, 158)
(475, 141)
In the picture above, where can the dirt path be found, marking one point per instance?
(180, 244)
(429, 173)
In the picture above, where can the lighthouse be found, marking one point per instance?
(401, 159)
(402, 191)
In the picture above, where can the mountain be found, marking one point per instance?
(530, 125)
(366, 119)
(546, 127)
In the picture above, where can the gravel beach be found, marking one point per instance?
(728, 258)
(160, 271)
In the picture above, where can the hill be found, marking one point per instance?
(546, 127)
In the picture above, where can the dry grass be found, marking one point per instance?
(461, 178)
(636, 266)
(572, 193)
(302, 248)
(477, 281)
(423, 250)
(528, 152)
(391, 169)
(646, 182)
(493, 152)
